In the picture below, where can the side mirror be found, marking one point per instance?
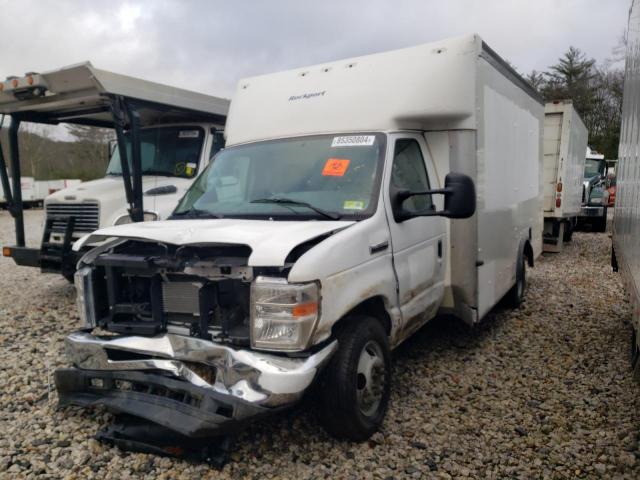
(459, 199)
(460, 196)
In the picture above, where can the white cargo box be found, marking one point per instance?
(626, 220)
(565, 143)
(27, 187)
(479, 117)
(44, 188)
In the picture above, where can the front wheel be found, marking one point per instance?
(600, 225)
(355, 388)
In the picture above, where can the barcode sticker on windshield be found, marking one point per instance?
(189, 134)
(353, 141)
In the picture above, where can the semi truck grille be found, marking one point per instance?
(87, 215)
(181, 297)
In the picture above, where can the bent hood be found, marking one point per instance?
(270, 241)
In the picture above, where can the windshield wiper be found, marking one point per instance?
(290, 201)
(195, 213)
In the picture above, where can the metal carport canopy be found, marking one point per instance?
(84, 95)
(81, 94)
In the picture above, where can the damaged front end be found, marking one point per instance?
(185, 326)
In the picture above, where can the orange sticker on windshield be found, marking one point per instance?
(335, 167)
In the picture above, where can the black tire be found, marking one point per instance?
(517, 292)
(568, 232)
(634, 348)
(635, 355)
(348, 409)
(600, 225)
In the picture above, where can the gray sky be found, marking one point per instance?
(208, 45)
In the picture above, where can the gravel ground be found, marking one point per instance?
(541, 392)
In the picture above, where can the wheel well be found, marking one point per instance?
(373, 307)
(528, 252)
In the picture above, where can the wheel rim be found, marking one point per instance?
(522, 280)
(370, 378)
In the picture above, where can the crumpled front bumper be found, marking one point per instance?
(194, 386)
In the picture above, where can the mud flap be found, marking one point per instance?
(135, 434)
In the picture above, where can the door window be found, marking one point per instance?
(409, 173)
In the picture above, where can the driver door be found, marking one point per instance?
(418, 243)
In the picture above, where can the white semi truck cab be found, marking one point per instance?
(171, 158)
(595, 196)
(167, 136)
(355, 201)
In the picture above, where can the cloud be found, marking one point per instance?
(209, 45)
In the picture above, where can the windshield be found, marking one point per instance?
(169, 151)
(593, 168)
(319, 177)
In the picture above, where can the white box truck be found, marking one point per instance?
(28, 187)
(626, 220)
(167, 135)
(565, 141)
(44, 188)
(318, 241)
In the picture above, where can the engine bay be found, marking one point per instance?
(147, 288)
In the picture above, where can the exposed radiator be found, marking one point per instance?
(181, 297)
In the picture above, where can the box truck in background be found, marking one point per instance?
(565, 141)
(34, 191)
(28, 186)
(626, 220)
(44, 188)
(318, 241)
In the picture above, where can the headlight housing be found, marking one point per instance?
(283, 315)
(83, 280)
(147, 217)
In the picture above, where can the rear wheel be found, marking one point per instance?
(516, 294)
(635, 354)
(568, 232)
(355, 388)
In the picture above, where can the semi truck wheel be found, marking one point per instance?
(568, 232)
(355, 387)
(600, 225)
(516, 294)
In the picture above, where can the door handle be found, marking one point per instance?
(378, 247)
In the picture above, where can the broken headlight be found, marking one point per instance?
(83, 280)
(283, 315)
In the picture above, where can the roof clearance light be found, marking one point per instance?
(14, 82)
(559, 187)
(1, 86)
(30, 80)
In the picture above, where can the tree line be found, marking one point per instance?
(46, 158)
(596, 92)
